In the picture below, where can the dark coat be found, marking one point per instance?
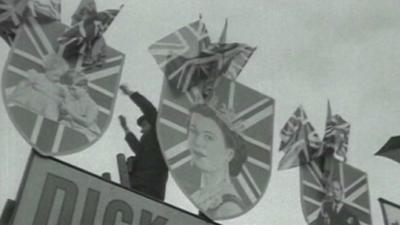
(342, 217)
(149, 173)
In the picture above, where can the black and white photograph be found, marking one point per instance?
(204, 112)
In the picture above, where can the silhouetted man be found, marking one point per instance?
(149, 173)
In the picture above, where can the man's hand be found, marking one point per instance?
(122, 121)
(125, 89)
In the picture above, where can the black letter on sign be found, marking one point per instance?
(113, 208)
(145, 219)
(53, 185)
(90, 210)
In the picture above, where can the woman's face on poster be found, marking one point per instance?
(77, 91)
(207, 144)
(55, 74)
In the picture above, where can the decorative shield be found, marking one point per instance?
(221, 159)
(351, 183)
(255, 110)
(45, 110)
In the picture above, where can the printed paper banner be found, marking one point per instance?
(215, 133)
(54, 192)
(189, 163)
(341, 199)
(58, 107)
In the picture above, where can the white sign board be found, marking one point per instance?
(55, 193)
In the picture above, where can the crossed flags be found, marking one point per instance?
(188, 56)
(85, 37)
(323, 171)
(189, 59)
(301, 144)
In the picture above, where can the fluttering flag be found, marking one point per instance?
(11, 16)
(299, 141)
(332, 192)
(86, 36)
(301, 144)
(390, 211)
(48, 8)
(186, 65)
(336, 137)
(391, 149)
(86, 9)
(209, 121)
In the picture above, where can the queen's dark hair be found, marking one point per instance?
(232, 139)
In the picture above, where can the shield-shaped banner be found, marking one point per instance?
(57, 105)
(190, 165)
(218, 148)
(390, 211)
(343, 198)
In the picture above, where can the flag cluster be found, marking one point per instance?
(299, 141)
(301, 144)
(193, 65)
(85, 37)
(11, 15)
(187, 64)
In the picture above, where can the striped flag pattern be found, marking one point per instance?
(299, 141)
(34, 42)
(172, 53)
(85, 8)
(86, 37)
(313, 190)
(187, 56)
(256, 114)
(48, 8)
(337, 136)
(11, 13)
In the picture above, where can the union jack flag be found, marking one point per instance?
(299, 141)
(336, 137)
(86, 37)
(48, 8)
(86, 8)
(313, 183)
(187, 56)
(256, 114)
(11, 13)
(253, 109)
(36, 41)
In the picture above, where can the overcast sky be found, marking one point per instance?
(308, 51)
